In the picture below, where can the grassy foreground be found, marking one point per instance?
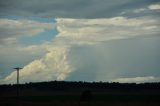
(74, 100)
(71, 94)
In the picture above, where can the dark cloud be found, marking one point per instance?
(69, 8)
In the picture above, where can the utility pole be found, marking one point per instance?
(17, 69)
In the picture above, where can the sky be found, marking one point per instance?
(80, 40)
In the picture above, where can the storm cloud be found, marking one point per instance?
(92, 40)
(97, 49)
(70, 8)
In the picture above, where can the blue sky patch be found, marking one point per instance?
(47, 35)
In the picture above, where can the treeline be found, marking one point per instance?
(69, 85)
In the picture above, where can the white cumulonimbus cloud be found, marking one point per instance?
(57, 65)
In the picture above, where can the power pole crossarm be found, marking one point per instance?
(17, 69)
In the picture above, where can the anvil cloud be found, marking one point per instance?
(58, 63)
